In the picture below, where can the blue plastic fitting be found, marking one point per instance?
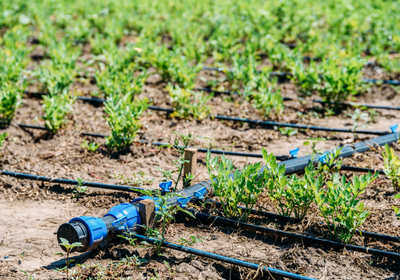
(394, 128)
(165, 186)
(199, 195)
(322, 158)
(294, 152)
(182, 201)
(97, 230)
(126, 216)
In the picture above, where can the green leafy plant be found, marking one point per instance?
(358, 116)
(56, 108)
(55, 79)
(138, 179)
(90, 146)
(27, 275)
(396, 209)
(10, 100)
(123, 118)
(290, 194)
(306, 78)
(80, 189)
(288, 131)
(339, 206)
(341, 79)
(189, 104)
(69, 248)
(165, 214)
(179, 164)
(312, 142)
(3, 137)
(192, 240)
(233, 186)
(392, 167)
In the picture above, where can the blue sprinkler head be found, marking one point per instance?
(165, 186)
(394, 128)
(322, 158)
(294, 152)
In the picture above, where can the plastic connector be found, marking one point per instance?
(164, 186)
(199, 195)
(182, 201)
(97, 230)
(293, 153)
(126, 216)
(322, 158)
(394, 128)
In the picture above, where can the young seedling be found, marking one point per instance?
(189, 104)
(288, 131)
(392, 167)
(68, 247)
(179, 163)
(358, 116)
(10, 100)
(290, 194)
(313, 145)
(244, 186)
(396, 209)
(123, 118)
(138, 179)
(191, 241)
(80, 189)
(165, 214)
(90, 146)
(56, 108)
(339, 206)
(27, 275)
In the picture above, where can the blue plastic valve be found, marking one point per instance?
(294, 152)
(199, 195)
(182, 201)
(394, 128)
(165, 186)
(322, 158)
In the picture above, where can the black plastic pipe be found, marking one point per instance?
(299, 126)
(268, 270)
(70, 182)
(216, 220)
(291, 219)
(288, 74)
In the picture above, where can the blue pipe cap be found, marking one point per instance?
(126, 215)
(182, 201)
(165, 186)
(97, 230)
(199, 195)
(294, 152)
(394, 128)
(322, 158)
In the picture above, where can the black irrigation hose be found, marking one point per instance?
(201, 150)
(70, 182)
(278, 124)
(216, 220)
(360, 169)
(287, 74)
(257, 122)
(291, 219)
(268, 270)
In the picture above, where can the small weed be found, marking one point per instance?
(392, 167)
(191, 241)
(138, 179)
(288, 131)
(68, 247)
(27, 274)
(90, 146)
(80, 189)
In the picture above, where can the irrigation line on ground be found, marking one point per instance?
(291, 219)
(268, 270)
(287, 74)
(216, 220)
(70, 182)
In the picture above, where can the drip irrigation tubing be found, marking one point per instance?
(70, 182)
(287, 74)
(216, 220)
(201, 150)
(295, 220)
(272, 271)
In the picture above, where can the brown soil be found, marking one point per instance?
(32, 211)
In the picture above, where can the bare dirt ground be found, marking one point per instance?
(32, 211)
